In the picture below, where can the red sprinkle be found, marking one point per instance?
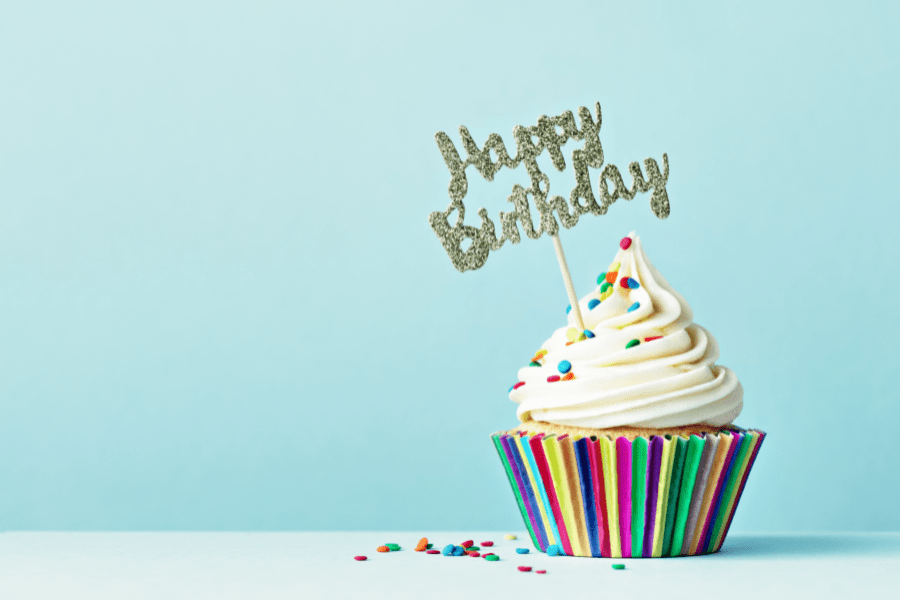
(488, 554)
(623, 282)
(467, 543)
(518, 385)
(488, 544)
(474, 553)
(542, 571)
(650, 339)
(553, 378)
(625, 243)
(432, 552)
(524, 569)
(360, 558)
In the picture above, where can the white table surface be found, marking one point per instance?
(258, 566)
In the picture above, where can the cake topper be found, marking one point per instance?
(531, 143)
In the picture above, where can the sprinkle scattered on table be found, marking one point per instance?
(393, 547)
(422, 545)
(541, 572)
(383, 549)
(429, 551)
(618, 566)
(521, 550)
(488, 544)
(509, 536)
(360, 557)
(524, 569)
(491, 557)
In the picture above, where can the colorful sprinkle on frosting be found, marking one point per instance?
(625, 244)
(605, 286)
(593, 303)
(553, 379)
(632, 344)
(568, 376)
(588, 333)
(601, 277)
(650, 339)
(518, 385)
(634, 307)
(564, 366)
(632, 283)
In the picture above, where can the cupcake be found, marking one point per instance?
(626, 445)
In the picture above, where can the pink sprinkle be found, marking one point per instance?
(359, 558)
(542, 571)
(518, 385)
(489, 554)
(553, 378)
(488, 544)
(432, 552)
(650, 339)
(625, 243)
(474, 553)
(524, 569)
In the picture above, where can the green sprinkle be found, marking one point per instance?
(492, 557)
(429, 546)
(473, 548)
(632, 344)
(618, 566)
(605, 287)
(393, 547)
(534, 364)
(602, 278)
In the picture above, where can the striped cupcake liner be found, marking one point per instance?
(662, 496)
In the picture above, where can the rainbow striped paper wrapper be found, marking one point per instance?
(647, 498)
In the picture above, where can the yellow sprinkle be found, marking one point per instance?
(509, 536)
(604, 296)
(613, 267)
(541, 353)
(572, 334)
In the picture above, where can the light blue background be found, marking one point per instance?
(222, 306)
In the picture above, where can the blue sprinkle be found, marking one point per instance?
(568, 308)
(458, 551)
(593, 303)
(633, 284)
(521, 550)
(553, 550)
(564, 366)
(588, 333)
(634, 306)
(448, 550)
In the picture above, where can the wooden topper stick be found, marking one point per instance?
(567, 278)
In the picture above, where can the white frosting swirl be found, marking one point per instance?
(664, 382)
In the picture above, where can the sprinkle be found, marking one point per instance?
(553, 379)
(393, 547)
(614, 267)
(568, 376)
(429, 546)
(601, 278)
(473, 553)
(593, 303)
(633, 284)
(467, 543)
(650, 339)
(611, 277)
(618, 566)
(383, 549)
(569, 343)
(429, 551)
(632, 344)
(572, 334)
(448, 549)
(360, 558)
(553, 550)
(458, 551)
(534, 363)
(509, 536)
(605, 287)
(488, 544)
(522, 550)
(634, 307)
(625, 243)
(492, 557)
(540, 354)
(486, 554)
(422, 545)
(568, 309)
(518, 385)
(472, 548)
(541, 572)
(588, 333)
(606, 294)
(564, 366)
(524, 569)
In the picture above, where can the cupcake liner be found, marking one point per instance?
(651, 497)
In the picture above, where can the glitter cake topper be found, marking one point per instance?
(531, 143)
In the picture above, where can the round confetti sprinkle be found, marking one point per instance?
(458, 551)
(568, 309)
(448, 550)
(393, 547)
(422, 545)
(564, 366)
(518, 385)
(625, 243)
(601, 278)
(553, 550)
(473, 548)
(655, 337)
(618, 566)
(509, 536)
(383, 549)
(488, 544)
(593, 303)
(524, 569)
(634, 307)
(623, 282)
(632, 344)
(492, 557)
(541, 572)
(553, 379)
(632, 284)
(473, 553)
(360, 558)
(605, 287)
(588, 333)
(467, 543)
(522, 550)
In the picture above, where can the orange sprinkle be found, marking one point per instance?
(422, 546)
(383, 549)
(568, 376)
(611, 276)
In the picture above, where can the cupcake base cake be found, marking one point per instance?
(626, 446)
